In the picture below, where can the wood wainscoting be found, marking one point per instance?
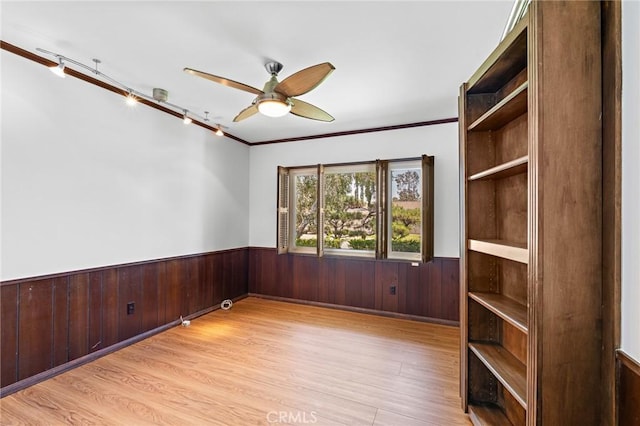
(429, 290)
(50, 321)
(628, 389)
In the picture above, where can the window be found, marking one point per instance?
(350, 209)
(405, 214)
(305, 209)
(380, 209)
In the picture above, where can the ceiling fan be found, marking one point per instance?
(277, 98)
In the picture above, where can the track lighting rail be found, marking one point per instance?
(133, 94)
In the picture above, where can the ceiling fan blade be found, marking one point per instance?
(224, 81)
(307, 110)
(246, 113)
(305, 80)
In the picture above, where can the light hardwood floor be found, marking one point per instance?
(262, 362)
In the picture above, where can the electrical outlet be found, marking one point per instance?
(131, 308)
(392, 289)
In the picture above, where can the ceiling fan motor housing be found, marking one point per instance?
(272, 96)
(273, 67)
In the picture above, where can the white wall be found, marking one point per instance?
(88, 181)
(631, 178)
(440, 141)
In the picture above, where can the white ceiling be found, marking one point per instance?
(396, 62)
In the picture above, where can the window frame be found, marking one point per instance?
(285, 208)
(399, 255)
(293, 173)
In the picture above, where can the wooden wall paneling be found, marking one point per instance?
(8, 334)
(402, 287)
(255, 262)
(60, 320)
(327, 279)
(215, 260)
(227, 274)
(353, 283)
(305, 277)
(410, 301)
(129, 290)
(422, 293)
(450, 289)
(192, 291)
(161, 282)
(267, 271)
(173, 288)
(206, 271)
(110, 317)
(257, 280)
(78, 315)
(49, 321)
(283, 284)
(241, 271)
(340, 287)
(434, 288)
(35, 330)
(368, 284)
(204, 300)
(386, 276)
(149, 300)
(95, 311)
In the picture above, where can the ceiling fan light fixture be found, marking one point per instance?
(58, 69)
(274, 107)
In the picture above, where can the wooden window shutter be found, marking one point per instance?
(283, 210)
(427, 208)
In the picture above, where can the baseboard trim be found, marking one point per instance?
(55, 371)
(358, 310)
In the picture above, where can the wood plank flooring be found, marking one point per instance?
(262, 362)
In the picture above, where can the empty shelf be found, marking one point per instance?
(501, 248)
(487, 415)
(512, 106)
(507, 369)
(507, 309)
(510, 168)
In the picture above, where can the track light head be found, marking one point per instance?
(131, 99)
(58, 69)
(219, 132)
(185, 118)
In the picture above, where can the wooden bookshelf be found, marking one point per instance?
(531, 229)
